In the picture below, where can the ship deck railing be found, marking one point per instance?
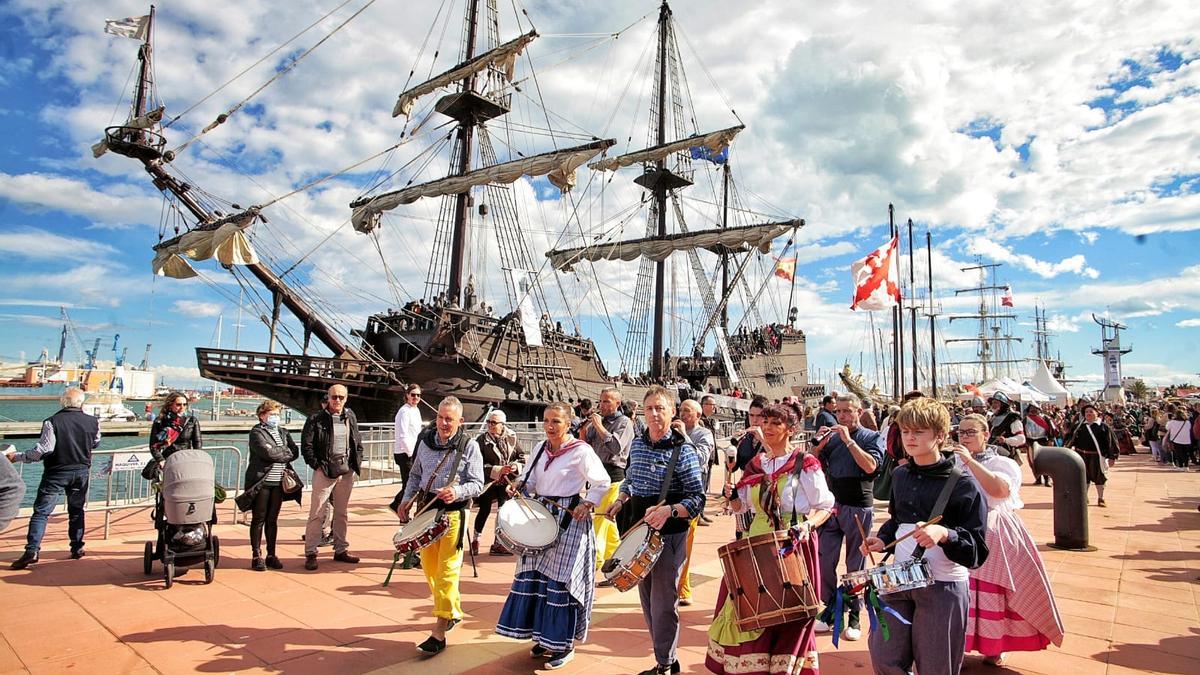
(297, 365)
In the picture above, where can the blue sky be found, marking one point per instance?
(1056, 137)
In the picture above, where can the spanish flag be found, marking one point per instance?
(785, 268)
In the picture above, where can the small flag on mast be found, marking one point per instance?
(876, 277)
(1007, 299)
(131, 27)
(785, 268)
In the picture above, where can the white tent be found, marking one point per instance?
(1044, 381)
(1011, 388)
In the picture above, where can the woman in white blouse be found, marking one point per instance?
(551, 596)
(784, 487)
(1011, 604)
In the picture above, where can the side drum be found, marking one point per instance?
(631, 562)
(766, 586)
(526, 527)
(421, 531)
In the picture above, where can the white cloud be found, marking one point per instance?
(1189, 323)
(36, 244)
(992, 250)
(114, 205)
(194, 308)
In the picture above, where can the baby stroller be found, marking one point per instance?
(183, 516)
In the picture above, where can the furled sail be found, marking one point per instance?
(558, 166)
(715, 141)
(659, 248)
(503, 57)
(224, 240)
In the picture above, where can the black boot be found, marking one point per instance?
(27, 558)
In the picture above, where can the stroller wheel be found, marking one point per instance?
(169, 573)
(148, 559)
(210, 571)
(216, 549)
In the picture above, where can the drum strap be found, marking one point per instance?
(940, 505)
(666, 486)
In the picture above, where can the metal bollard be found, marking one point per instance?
(1065, 467)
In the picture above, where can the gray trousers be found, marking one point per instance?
(328, 494)
(659, 593)
(839, 527)
(935, 640)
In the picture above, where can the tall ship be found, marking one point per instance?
(685, 290)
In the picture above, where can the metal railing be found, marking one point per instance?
(126, 489)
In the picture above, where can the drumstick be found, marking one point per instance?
(914, 531)
(520, 497)
(863, 534)
(634, 526)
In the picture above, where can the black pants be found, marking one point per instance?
(405, 464)
(265, 515)
(493, 495)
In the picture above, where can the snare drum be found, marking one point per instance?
(900, 576)
(631, 562)
(766, 587)
(421, 531)
(526, 527)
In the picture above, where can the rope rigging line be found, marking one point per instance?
(252, 66)
(221, 119)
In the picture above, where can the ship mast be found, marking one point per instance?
(466, 133)
(660, 190)
(145, 146)
(989, 321)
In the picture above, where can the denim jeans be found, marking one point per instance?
(73, 481)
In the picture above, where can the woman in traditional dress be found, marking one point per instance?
(1012, 607)
(1093, 440)
(551, 596)
(782, 487)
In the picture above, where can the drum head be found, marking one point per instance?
(416, 526)
(527, 522)
(632, 543)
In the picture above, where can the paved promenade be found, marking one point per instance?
(1129, 607)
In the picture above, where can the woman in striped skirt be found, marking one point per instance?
(1011, 605)
(551, 596)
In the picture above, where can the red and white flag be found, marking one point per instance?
(785, 268)
(1007, 299)
(876, 278)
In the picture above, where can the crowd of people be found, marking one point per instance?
(950, 474)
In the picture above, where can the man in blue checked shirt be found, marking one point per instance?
(649, 457)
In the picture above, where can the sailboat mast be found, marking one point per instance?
(660, 191)
(724, 254)
(466, 134)
(912, 286)
(932, 329)
(897, 325)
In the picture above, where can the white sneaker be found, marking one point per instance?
(851, 634)
(822, 627)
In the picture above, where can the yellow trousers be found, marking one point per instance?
(685, 578)
(441, 562)
(607, 536)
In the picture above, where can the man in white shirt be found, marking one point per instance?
(408, 425)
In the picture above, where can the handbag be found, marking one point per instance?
(290, 483)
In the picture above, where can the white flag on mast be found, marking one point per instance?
(131, 27)
(529, 318)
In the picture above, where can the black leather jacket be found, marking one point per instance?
(317, 438)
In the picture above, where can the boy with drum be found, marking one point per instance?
(935, 635)
(447, 472)
(551, 596)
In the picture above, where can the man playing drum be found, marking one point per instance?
(783, 487)
(447, 470)
(935, 633)
(650, 461)
(551, 596)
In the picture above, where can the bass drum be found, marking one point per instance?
(767, 581)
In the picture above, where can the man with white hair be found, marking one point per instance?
(502, 456)
(65, 449)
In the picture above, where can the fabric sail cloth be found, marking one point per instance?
(1012, 605)
(503, 57)
(877, 278)
(734, 239)
(227, 242)
(785, 648)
